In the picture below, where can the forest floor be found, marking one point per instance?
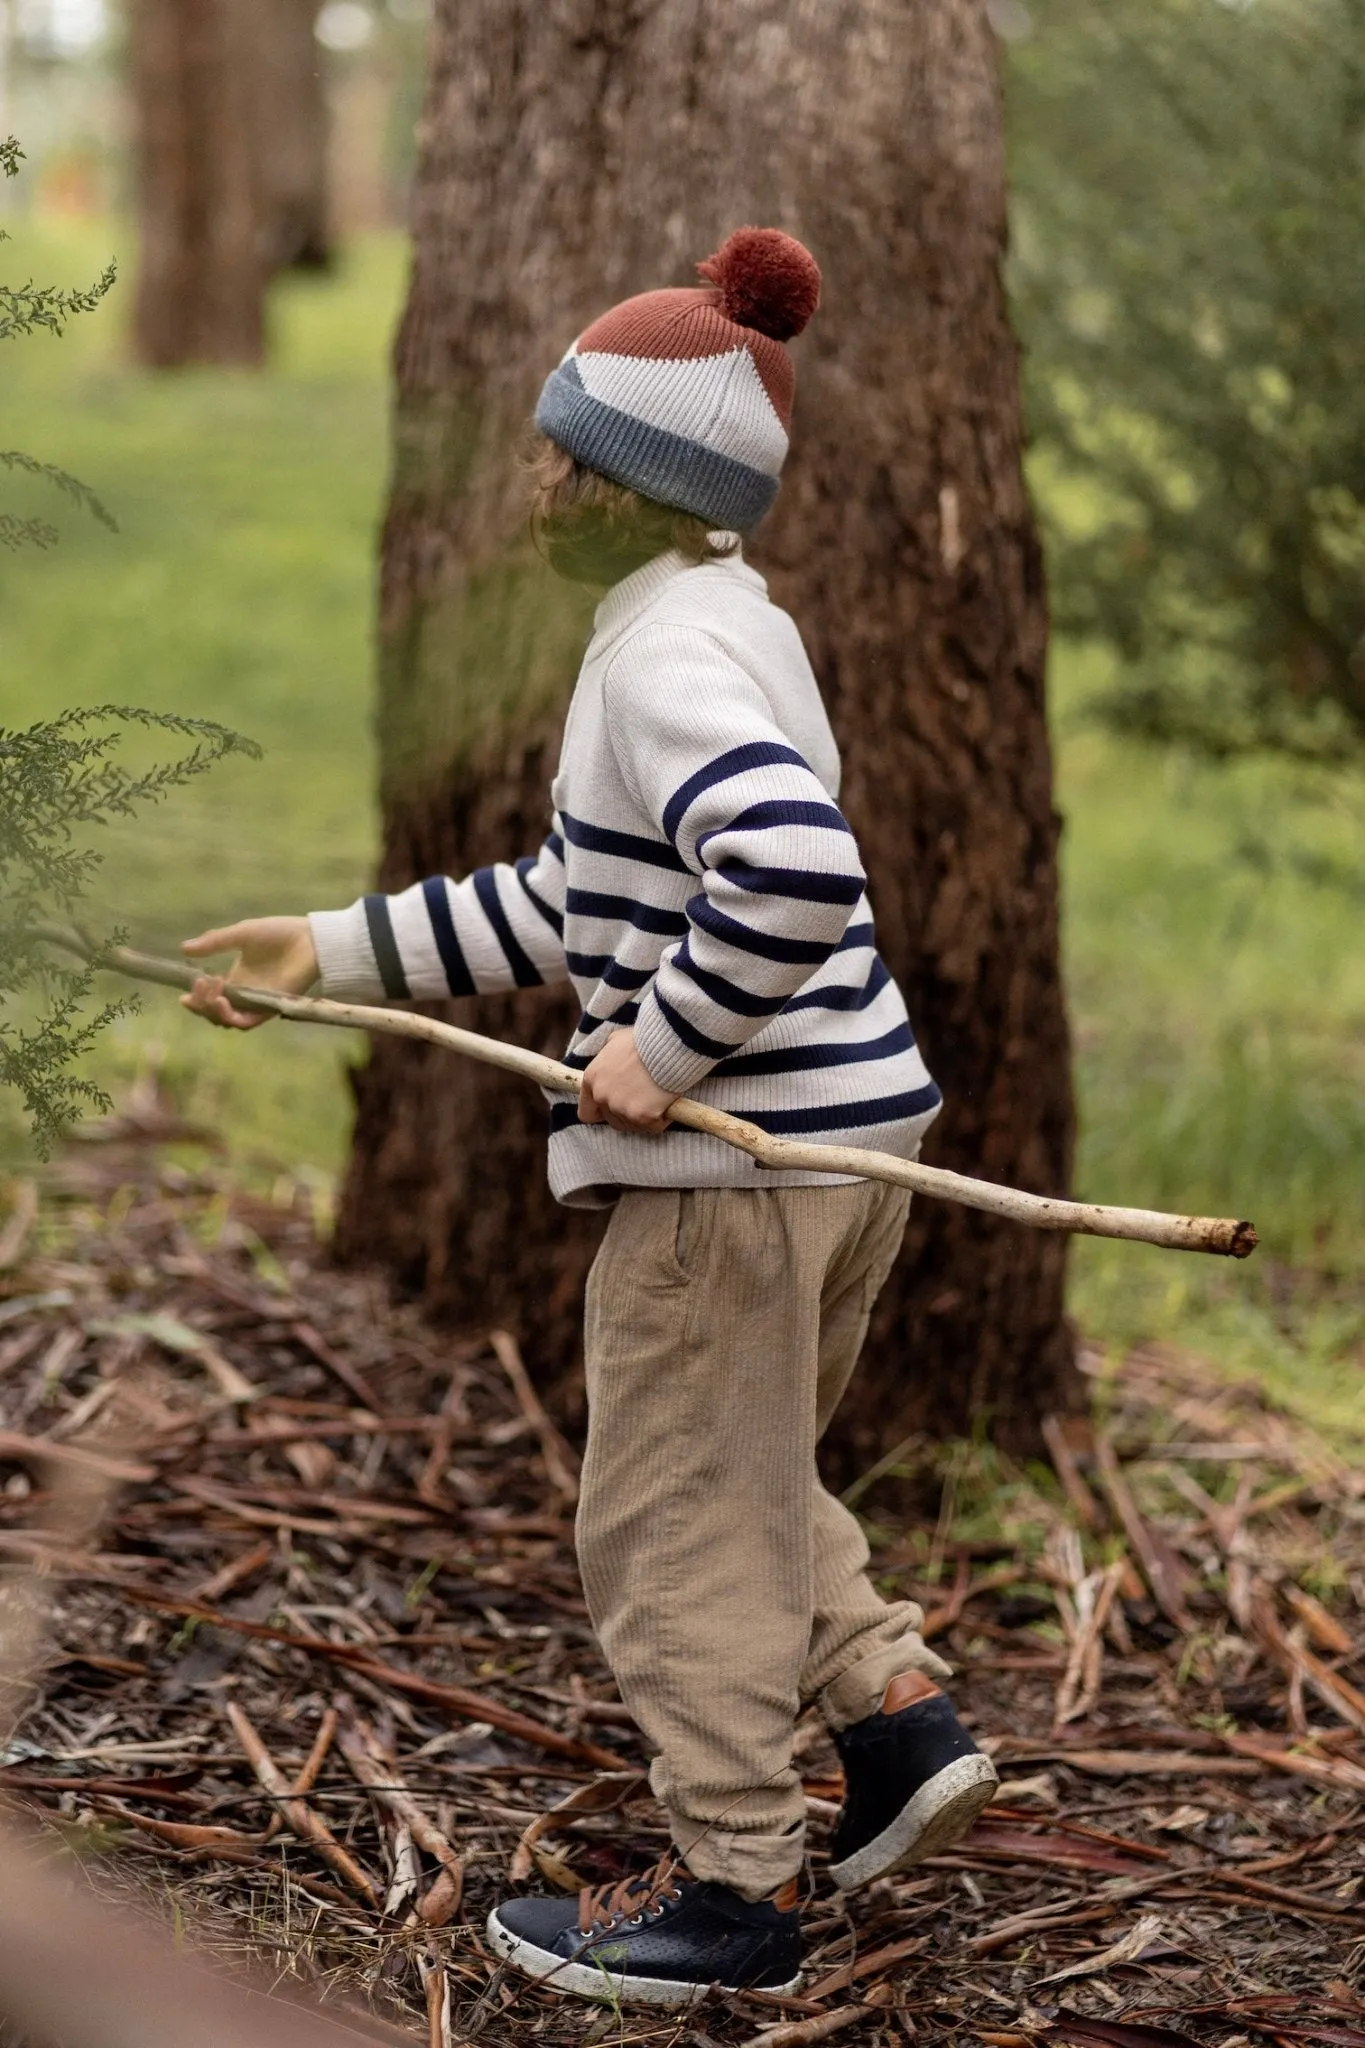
(274, 1520)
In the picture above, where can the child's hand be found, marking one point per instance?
(271, 952)
(617, 1090)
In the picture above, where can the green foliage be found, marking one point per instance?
(1189, 179)
(58, 780)
(28, 309)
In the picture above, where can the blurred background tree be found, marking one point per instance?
(1189, 184)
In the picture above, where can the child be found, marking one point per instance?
(704, 895)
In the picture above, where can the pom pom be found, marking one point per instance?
(766, 281)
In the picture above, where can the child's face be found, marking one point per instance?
(584, 544)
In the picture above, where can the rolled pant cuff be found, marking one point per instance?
(755, 1866)
(857, 1692)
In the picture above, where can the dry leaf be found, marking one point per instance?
(1139, 1938)
(601, 1795)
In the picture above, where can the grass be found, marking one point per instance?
(239, 587)
(1212, 916)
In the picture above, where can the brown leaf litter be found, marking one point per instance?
(314, 1675)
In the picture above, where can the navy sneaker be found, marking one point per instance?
(914, 1782)
(663, 1938)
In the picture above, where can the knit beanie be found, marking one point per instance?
(685, 395)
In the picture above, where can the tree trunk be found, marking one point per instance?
(231, 133)
(583, 150)
(201, 277)
(291, 138)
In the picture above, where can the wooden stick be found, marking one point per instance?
(1221, 1235)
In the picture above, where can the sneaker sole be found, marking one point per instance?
(596, 1981)
(940, 1814)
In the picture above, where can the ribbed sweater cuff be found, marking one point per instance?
(665, 1058)
(346, 962)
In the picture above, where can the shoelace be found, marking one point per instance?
(602, 1906)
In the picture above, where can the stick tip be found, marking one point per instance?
(1245, 1239)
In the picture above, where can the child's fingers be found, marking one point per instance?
(208, 1000)
(222, 939)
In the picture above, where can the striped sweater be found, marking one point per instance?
(698, 881)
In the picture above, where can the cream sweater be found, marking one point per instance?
(698, 881)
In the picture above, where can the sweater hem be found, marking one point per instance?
(590, 1165)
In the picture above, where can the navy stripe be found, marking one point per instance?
(845, 1116)
(458, 977)
(782, 811)
(655, 853)
(602, 967)
(524, 971)
(630, 978)
(587, 1023)
(857, 935)
(754, 754)
(800, 952)
(839, 996)
(694, 1040)
(556, 846)
(547, 910)
(801, 883)
(588, 966)
(727, 993)
(804, 1059)
(644, 916)
(386, 955)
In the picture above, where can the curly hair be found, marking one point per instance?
(592, 530)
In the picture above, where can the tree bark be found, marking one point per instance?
(291, 124)
(581, 150)
(201, 278)
(231, 145)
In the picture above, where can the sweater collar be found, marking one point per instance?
(625, 601)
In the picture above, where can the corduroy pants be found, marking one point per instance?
(727, 1587)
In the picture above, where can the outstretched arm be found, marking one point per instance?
(501, 928)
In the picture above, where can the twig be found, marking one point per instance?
(561, 1465)
(866, 1966)
(355, 1382)
(800, 2033)
(940, 1619)
(1162, 1568)
(36, 1450)
(436, 1987)
(307, 1825)
(1083, 1503)
(1301, 1666)
(459, 1700)
(378, 1773)
(317, 1755)
(1224, 1236)
(1080, 1686)
(1338, 1771)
